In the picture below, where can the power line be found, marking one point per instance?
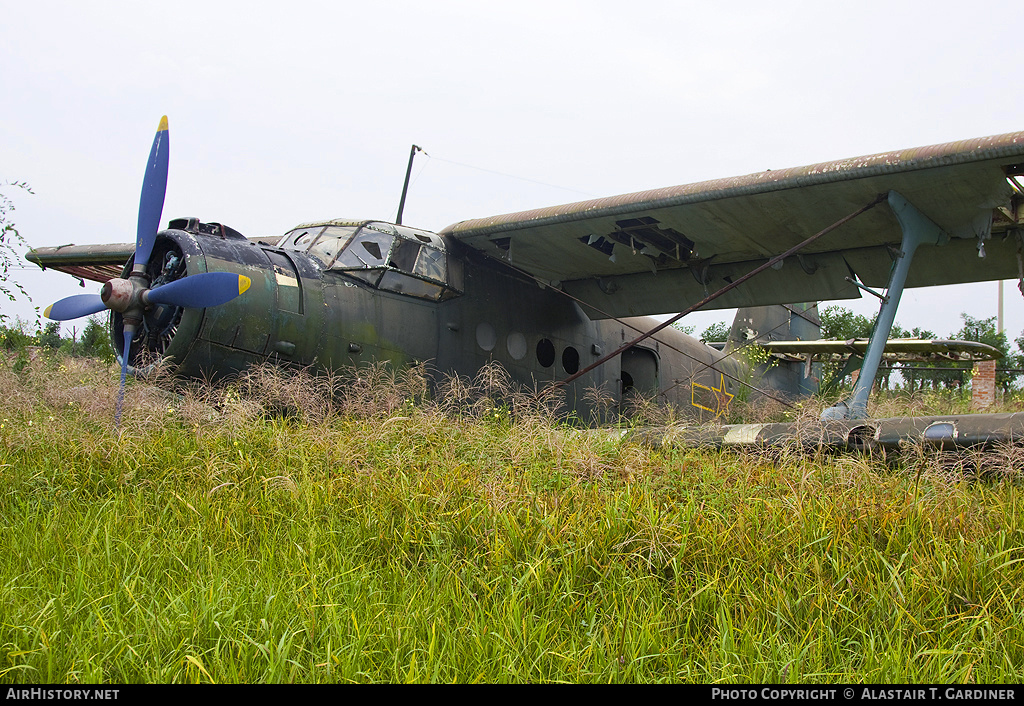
(513, 176)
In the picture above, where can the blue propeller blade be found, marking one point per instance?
(154, 187)
(129, 333)
(74, 307)
(200, 291)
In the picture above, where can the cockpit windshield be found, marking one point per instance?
(322, 242)
(392, 257)
(369, 249)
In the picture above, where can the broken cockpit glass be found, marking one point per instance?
(323, 243)
(331, 242)
(389, 257)
(369, 249)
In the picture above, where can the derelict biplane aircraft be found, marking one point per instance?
(553, 295)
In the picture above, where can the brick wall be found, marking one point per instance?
(983, 385)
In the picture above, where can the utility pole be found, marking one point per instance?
(999, 310)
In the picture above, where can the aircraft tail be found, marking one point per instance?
(789, 322)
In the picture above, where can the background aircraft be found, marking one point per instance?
(552, 294)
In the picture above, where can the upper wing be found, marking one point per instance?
(657, 251)
(895, 349)
(95, 262)
(98, 263)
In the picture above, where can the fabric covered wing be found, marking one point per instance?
(895, 349)
(98, 263)
(658, 251)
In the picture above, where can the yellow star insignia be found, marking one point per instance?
(711, 399)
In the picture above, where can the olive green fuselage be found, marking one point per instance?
(297, 312)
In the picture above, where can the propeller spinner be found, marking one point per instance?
(132, 297)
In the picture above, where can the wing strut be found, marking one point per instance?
(917, 229)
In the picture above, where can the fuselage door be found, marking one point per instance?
(640, 372)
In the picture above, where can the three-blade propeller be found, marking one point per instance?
(132, 297)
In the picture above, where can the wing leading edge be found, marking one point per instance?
(909, 349)
(657, 251)
(99, 263)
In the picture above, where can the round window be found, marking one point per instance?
(486, 337)
(545, 352)
(570, 360)
(516, 344)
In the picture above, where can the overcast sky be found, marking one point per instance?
(288, 112)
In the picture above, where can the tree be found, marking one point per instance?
(716, 332)
(15, 336)
(984, 331)
(1015, 361)
(49, 335)
(10, 238)
(95, 341)
(951, 375)
(911, 376)
(841, 324)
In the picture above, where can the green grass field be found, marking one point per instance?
(368, 538)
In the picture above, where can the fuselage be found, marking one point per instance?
(340, 294)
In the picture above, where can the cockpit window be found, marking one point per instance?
(431, 264)
(404, 284)
(301, 238)
(385, 256)
(331, 242)
(403, 257)
(322, 243)
(369, 248)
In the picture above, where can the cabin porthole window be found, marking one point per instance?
(516, 345)
(486, 336)
(570, 360)
(545, 353)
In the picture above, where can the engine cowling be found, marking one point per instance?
(218, 341)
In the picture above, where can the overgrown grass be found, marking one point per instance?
(882, 404)
(366, 534)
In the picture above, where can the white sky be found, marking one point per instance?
(287, 112)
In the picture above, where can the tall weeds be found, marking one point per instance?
(365, 527)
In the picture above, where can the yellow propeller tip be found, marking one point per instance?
(243, 283)
(47, 312)
(163, 124)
